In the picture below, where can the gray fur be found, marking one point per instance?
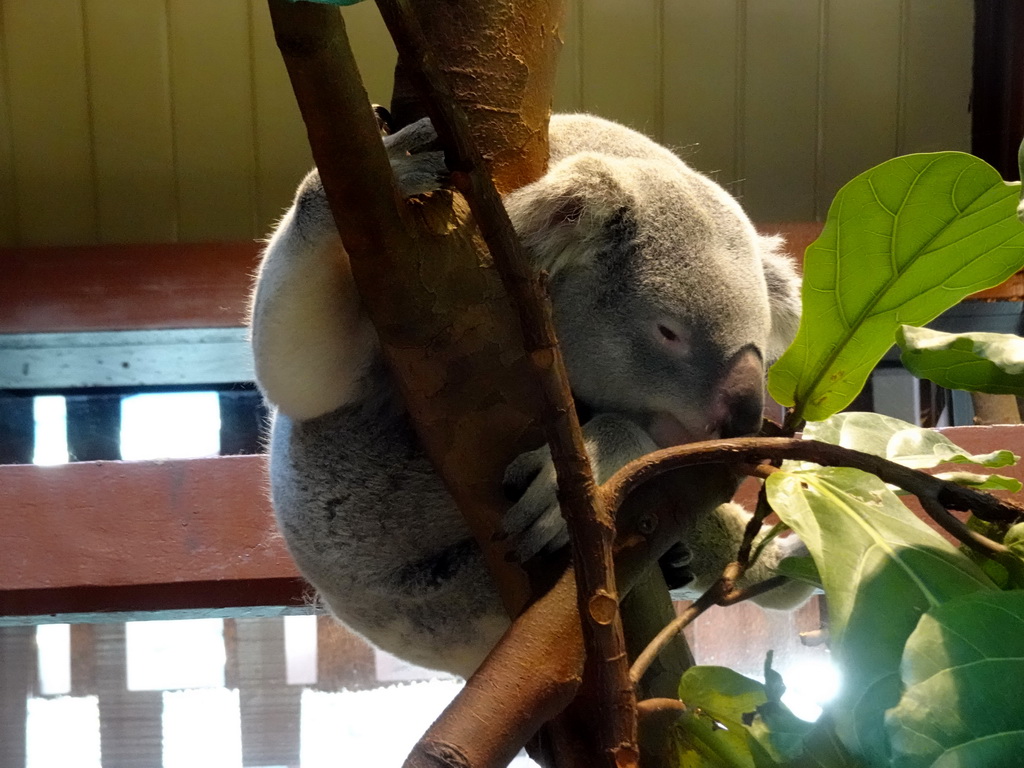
(666, 302)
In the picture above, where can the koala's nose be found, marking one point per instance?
(739, 402)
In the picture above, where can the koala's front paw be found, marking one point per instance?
(534, 524)
(416, 159)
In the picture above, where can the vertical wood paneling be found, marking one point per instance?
(9, 195)
(282, 150)
(860, 94)
(212, 109)
(120, 120)
(50, 133)
(621, 57)
(131, 724)
(269, 706)
(375, 53)
(781, 109)
(131, 120)
(936, 84)
(568, 81)
(17, 678)
(702, 56)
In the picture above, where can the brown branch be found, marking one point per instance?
(591, 529)
(355, 172)
(657, 706)
(663, 638)
(945, 495)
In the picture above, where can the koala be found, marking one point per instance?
(667, 305)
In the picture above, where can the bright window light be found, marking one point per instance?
(64, 731)
(53, 649)
(176, 425)
(203, 728)
(170, 655)
(300, 649)
(51, 431)
(377, 727)
(811, 683)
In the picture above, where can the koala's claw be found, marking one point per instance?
(534, 524)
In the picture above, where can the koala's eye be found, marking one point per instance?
(667, 333)
(673, 337)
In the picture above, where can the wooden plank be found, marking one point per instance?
(126, 524)
(860, 93)
(269, 706)
(190, 285)
(129, 97)
(621, 57)
(107, 288)
(780, 135)
(702, 89)
(17, 429)
(568, 80)
(50, 123)
(8, 201)
(131, 722)
(345, 661)
(84, 659)
(282, 151)
(17, 676)
(935, 88)
(212, 108)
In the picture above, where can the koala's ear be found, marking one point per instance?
(783, 294)
(560, 216)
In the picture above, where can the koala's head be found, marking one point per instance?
(667, 303)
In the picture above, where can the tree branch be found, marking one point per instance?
(936, 495)
(591, 528)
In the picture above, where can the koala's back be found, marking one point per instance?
(371, 526)
(571, 134)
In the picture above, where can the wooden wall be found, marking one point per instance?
(172, 120)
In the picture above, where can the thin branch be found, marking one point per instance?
(663, 638)
(722, 593)
(657, 706)
(591, 528)
(945, 495)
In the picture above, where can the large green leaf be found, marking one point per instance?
(898, 441)
(711, 731)
(882, 568)
(978, 362)
(903, 242)
(963, 669)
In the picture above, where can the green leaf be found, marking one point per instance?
(711, 732)
(903, 242)
(898, 441)
(981, 482)
(724, 693)
(963, 669)
(799, 569)
(882, 568)
(701, 741)
(823, 749)
(1014, 539)
(977, 362)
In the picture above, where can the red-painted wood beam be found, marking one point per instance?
(187, 285)
(135, 536)
(181, 534)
